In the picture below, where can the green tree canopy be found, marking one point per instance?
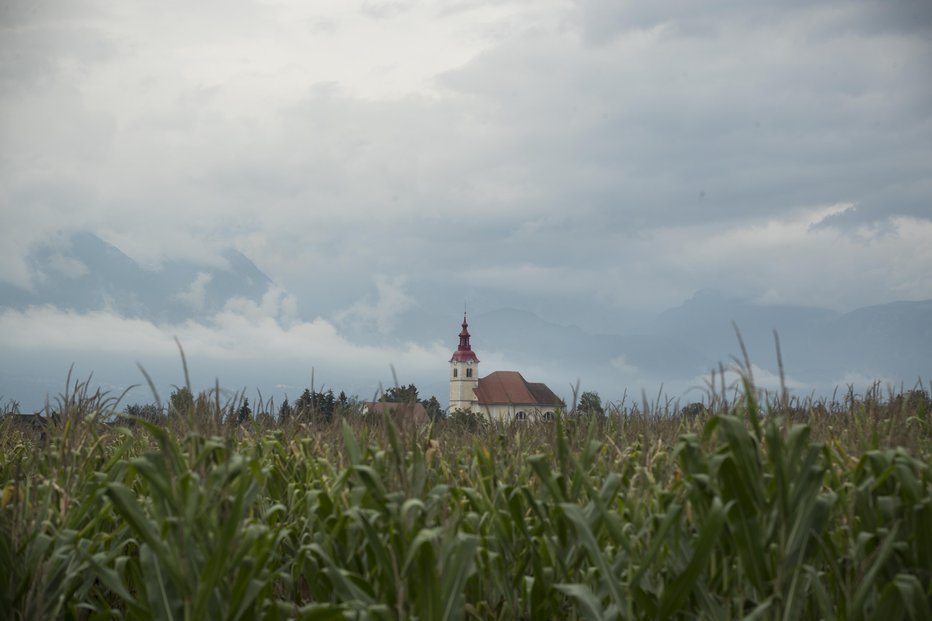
(400, 394)
(434, 411)
(284, 412)
(590, 403)
(181, 402)
(315, 406)
(244, 412)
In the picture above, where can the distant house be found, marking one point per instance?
(413, 412)
(502, 395)
(31, 422)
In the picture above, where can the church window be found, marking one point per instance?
(468, 372)
(455, 372)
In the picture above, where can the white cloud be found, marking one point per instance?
(796, 262)
(194, 295)
(48, 328)
(391, 301)
(860, 384)
(766, 380)
(241, 333)
(620, 364)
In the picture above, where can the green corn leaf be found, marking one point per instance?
(161, 604)
(659, 539)
(320, 612)
(346, 588)
(125, 503)
(376, 546)
(914, 598)
(424, 537)
(611, 582)
(372, 481)
(109, 577)
(677, 593)
(543, 472)
(352, 446)
(161, 489)
(421, 571)
(588, 604)
(456, 571)
(761, 611)
(884, 551)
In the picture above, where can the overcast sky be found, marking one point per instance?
(626, 152)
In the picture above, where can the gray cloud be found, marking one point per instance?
(533, 153)
(645, 124)
(602, 20)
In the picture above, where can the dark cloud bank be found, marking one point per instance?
(94, 306)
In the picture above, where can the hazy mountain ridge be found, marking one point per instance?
(820, 347)
(525, 336)
(85, 273)
(893, 339)
(888, 341)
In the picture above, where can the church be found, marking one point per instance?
(502, 395)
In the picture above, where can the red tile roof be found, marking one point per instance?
(509, 387)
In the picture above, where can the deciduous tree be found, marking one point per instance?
(590, 403)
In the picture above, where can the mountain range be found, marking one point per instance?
(889, 342)
(84, 273)
(820, 348)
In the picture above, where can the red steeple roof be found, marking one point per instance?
(464, 352)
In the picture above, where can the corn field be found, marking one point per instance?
(748, 509)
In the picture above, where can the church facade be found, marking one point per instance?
(502, 395)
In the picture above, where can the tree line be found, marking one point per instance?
(312, 406)
(320, 406)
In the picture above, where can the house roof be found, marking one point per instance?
(509, 387)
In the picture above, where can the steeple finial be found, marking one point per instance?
(464, 351)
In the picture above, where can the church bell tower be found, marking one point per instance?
(464, 373)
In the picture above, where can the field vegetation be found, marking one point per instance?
(744, 506)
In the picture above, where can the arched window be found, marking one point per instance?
(548, 415)
(520, 415)
(455, 372)
(468, 371)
